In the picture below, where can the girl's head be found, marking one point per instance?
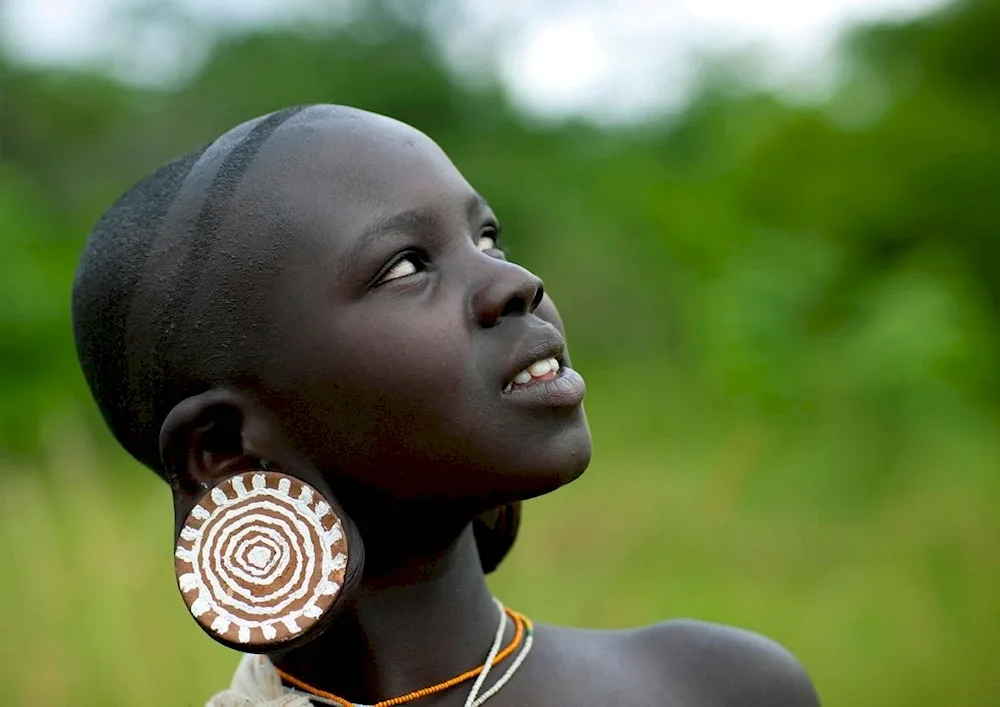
(320, 288)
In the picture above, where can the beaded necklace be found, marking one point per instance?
(523, 629)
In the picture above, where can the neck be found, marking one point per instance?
(408, 625)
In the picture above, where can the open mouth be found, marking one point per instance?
(540, 377)
(544, 369)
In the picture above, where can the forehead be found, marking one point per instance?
(338, 169)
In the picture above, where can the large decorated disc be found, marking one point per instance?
(260, 559)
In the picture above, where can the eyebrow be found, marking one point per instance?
(404, 221)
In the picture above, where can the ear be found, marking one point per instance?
(495, 532)
(210, 436)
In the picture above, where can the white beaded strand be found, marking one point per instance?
(494, 649)
(505, 678)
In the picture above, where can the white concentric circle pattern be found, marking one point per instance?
(260, 559)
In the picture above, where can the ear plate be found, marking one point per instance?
(260, 559)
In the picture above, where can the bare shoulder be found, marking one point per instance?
(676, 663)
(726, 666)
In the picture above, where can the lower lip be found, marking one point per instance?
(566, 390)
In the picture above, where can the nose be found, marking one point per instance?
(507, 290)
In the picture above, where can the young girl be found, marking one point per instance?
(309, 328)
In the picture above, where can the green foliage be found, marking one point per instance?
(789, 316)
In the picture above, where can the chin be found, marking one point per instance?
(557, 464)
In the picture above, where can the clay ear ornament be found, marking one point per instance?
(260, 560)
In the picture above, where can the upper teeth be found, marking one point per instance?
(537, 370)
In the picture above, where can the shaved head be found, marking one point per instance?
(167, 299)
(149, 264)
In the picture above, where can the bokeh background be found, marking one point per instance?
(783, 287)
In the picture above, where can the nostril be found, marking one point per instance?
(537, 299)
(515, 305)
(519, 304)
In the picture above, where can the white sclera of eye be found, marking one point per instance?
(401, 269)
(486, 243)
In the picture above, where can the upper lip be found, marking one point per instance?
(541, 343)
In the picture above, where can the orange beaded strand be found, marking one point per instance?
(519, 627)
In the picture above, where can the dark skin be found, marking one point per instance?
(398, 325)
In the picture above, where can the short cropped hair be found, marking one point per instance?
(135, 285)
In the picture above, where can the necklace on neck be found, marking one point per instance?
(523, 630)
(475, 699)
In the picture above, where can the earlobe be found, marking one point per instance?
(495, 533)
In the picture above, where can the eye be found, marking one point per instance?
(408, 264)
(488, 241)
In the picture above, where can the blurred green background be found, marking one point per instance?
(788, 313)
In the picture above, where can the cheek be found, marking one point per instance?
(413, 358)
(396, 399)
(386, 384)
(547, 311)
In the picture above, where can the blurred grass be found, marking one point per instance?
(891, 604)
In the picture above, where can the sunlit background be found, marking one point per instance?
(771, 227)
